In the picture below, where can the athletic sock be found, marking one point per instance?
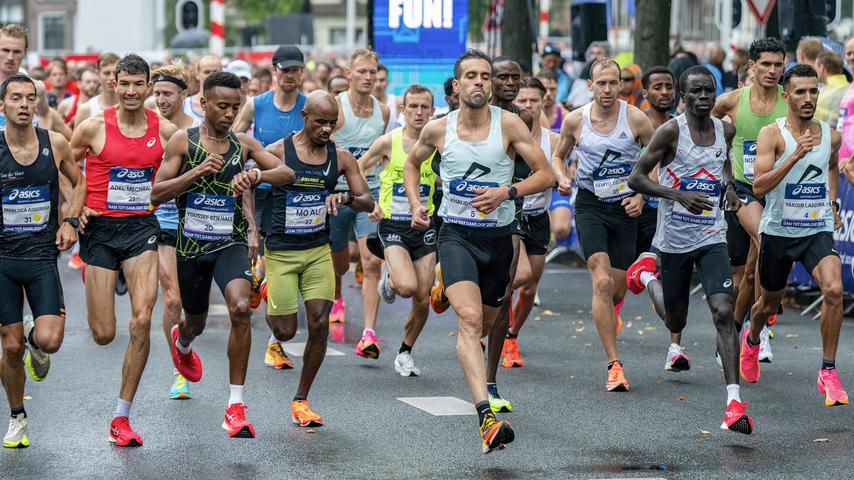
(19, 410)
(32, 340)
(365, 332)
(405, 348)
(122, 408)
(483, 410)
(300, 398)
(492, 388)
(828, 364)
(732, 393)
(512, 335)
(611, 364)
(184, 350)
(646, 277)
(235, 394)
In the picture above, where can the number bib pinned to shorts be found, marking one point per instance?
(804, 205)
(459, 198)
(749, 159)
(129, 189)
(400, 203)
(26, 209)
(611, 184)
(534, 204)
(712, 188)
(208, 217)
(305, 212)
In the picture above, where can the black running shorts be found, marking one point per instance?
(737, 240)
(196, 274)
(168, 238)
(107, 242)
(484, 258)
(418, 243)
(712, 263)
(535, 231)
(39, 279)
(778, 254)
(605, 227)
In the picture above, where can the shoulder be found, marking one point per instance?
(92, 124)
(178, 138)
(635, 114)
(668, 130)
(57, 140)
(344, 155)
(769, 131)
(167, 128)
(434, 128)
(67, 102)
(835, 138)
(729, 129)
(729, 99)
(246, 140)
(276, 148)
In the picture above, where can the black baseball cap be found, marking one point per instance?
(550, 50)
(288, 56)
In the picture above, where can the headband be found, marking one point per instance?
(162, 77)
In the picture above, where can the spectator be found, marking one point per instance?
(717, 57)
(631, 89)
(265, 76)
(337, 85)
(552, 61)
(808, 50)
(552, 109)
(321, 73)
(745, 75)
(739, 58)
(833, 86)
(846, 115)
(579, 94)
(452, 98)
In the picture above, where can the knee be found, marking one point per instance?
(371, 265)
(103, 336)
(140, 327)
(318, 327)
(240, 312)
(283, 331)
(523, 278)
(471, 320)
(406, 289)
(603, 285)
(13, 349)
(765, 307)
(51, 342)
(560, 231)
(528, 290)
(172, 302)
(833, 293)
(722, 314)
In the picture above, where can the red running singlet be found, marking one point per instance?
(120, 179)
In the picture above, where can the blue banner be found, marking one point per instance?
(416, 31)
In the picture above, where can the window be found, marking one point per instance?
(12, 12)
(52, 31)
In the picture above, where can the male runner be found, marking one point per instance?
(297, 253)
(338, 85)
(410, 255)
(553, 110)
(390, 101)
(753, 108)
(476, 143)
(560, 207)
(31, 237)
(124, 149)
(608, 135)
(88, 89)
(692, 153)
(108, 96)
(796, 172)
(206, 65)
(203, 171)
(169, 91)
(274, 115)
(361, 120)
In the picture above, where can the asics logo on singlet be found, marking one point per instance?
(465, 186)
(806, 190)
(401, 189)
(130, 174)
(151, 142)
(612, 171)
(698, 185)
(307, 197)
(718, 152)
(727, 283)
(24, 194)
(235, 159)
(752, 148)
(209, 202)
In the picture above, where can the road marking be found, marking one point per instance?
(565, 271)
(441, 406)
(297, 348)
(218, 309)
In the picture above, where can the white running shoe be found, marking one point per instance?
(383, 286)
(677, 361)
(765, 354)
(16, 436)
(404, 365)
(37, 362)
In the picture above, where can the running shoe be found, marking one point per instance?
(737, 419)
(180, 388)
(303, 416)
(618, 320)
(772, 320)
(438, 300)
(256, 295)
(511, 354)
(677, 361)
(384, 286)
(276, 357)
(617, 379)
(765, 354)
(337, 333)
(38, 362)
(16, 436)
(828, 384)
(495, 434)
(121, 284)
(498, 404)
(75, 262)
(189, 365)
(405, 366)
(235, 422)
(122, 435)
(360, 273)
(748, 364)
(337, 314)
(368, 346)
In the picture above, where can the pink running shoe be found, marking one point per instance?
(368, 346)
(337, 313)
(748, 364)
(828, 384)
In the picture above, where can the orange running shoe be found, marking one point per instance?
(510, 352)
(360, 274)
(618, 320)
(438, 300)
(303, 416)
(495, 434)
(276, 357)
(617, 379)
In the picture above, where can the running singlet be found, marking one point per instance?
(269, 124)
(29, 196)
(799, 206)
(188, 109)
(300, 219)
(536, 204)
(693, 169)
(120, 178)
(467, 166)
(210, 217)
(393, 198)
(605, 161)
(555, 127)
(167, 213)
(747, 126)
(357, 135)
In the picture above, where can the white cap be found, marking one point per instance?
(240, 68)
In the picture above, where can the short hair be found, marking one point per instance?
(382, 67)
(416, 90)
(449, 86)
(15, 31)
(603, 63)
(656, 70)
(831, 62)
(810, 47)
(107, 58)
(263, 72)
(766, 44)
(58, 62)
(18, 78)
(222, 79)
(603, 44)
(743, 70)
(133, 64)
(469, 54)
(362, 53)
(695, 70)
(533, 82)
(177, 69)
(547, 75)
(799, 70)
(332, 79)
(85, 69)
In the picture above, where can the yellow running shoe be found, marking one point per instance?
(303, 416)
(276, 357)
(495, 434)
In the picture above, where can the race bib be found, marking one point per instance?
(534, 204)
(208, 217)
(400, 203)
(611, 184)
(749, 159)
(460, 194)
(26, 209)
(129, 189)
(168, 209)
(804, 205)
(305, 212)
(712, 188)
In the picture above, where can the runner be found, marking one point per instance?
(692, 153)
(297, 253)
(410, 255)
(206, 65)
(169, 91)
(30, 241)
(273, 116)
(203, 171)
(606, 209)
(475, 241)
(552, 109)
(108, 96)
(124, 148)
(799, 178)
(88, 89)
(361, 120)
(390, 101)
(753, 108)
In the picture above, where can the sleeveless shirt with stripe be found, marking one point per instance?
(393, 199)
(357, 135)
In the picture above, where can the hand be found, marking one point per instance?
(377, 214)
(334, 202)
(805, 144)
(254, 243)
(210, 165)
(84, 217)
(695, 202)
(65, 237)
(837, 222)
(420, 220)
(564, 187)
(489, 198)
(242, 182)
(42, 108)
(633, 205)
(731, 201)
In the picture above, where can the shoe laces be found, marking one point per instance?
(488, 422)
(301, 409)
(276, 348)
(406, 360)
(831, 379)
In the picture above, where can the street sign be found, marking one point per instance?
(761, 9)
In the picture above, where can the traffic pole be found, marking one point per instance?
(217, 42)
(544, 22)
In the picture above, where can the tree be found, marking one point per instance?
(516, 34)
(652, 32)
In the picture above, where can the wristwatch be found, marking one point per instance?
(511, 192)
(75, 222)
(350, 198)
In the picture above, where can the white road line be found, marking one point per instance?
(296, 349)
(440, 406)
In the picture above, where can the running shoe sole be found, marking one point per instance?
(500, 439)
(244, 432)
(371, 351)
(742, 425)
(679, 365)
(131, 443)
(310, 423)
(24, 443)
(827, 402)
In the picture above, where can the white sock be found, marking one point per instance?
(646, 277)
(273, 339)
(732, 393)
(184, 350)
(175, 371)
(676, 346)
(236, 394)
(122, 408)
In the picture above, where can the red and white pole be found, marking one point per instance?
(217, 42)
(544, 22)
